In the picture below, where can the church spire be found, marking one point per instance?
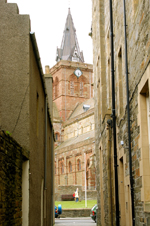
(69, 49)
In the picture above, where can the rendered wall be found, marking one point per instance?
(14, 71)
(22, 107)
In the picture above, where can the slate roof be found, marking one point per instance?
(75, 140)
(79, 109)
(69, 49)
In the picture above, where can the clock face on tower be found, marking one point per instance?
(78, 72)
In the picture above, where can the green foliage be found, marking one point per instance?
(75, 205)
(7, 132)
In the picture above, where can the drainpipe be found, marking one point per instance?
(114, 116)
(109, 123)
(128, 116)
(45, 168)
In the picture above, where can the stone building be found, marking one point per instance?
(138, 46)
(73, 116)
(26, 116)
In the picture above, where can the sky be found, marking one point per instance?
(48, 19)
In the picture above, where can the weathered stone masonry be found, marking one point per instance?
(138, 43)
(11, 159)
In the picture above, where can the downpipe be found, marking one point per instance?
(114, 117)
(128, 115)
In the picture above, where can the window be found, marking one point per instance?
(62, 167)
(54, 91)
(88, 163)
(143, 116)
(70, 167)
(71, 88)
(56, 136)
(56, 87)
(78, 164)
(81, 88)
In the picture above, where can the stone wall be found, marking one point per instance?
(138, 45)
(68, 190)
(72, 213)
(11, 159)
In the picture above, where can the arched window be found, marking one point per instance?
(54, 91)
(56, 87)
(71, 88)
(81, 88)
(88, 163)
(62, 167)
(78, 164)
(57, 136)
(70, 167)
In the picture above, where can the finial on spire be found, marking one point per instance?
(69, 4)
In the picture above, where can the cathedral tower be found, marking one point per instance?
(73, 117)
(72, 78)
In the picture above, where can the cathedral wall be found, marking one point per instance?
(70, 165)
(79, 127)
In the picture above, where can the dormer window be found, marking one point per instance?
(75, 56)
(86, 107)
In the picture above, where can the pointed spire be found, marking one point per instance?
(69, 49)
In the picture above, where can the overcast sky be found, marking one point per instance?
(48, 19)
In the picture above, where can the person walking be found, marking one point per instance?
(76, 195)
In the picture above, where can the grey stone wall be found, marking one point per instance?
(10, 181)
(72, 213)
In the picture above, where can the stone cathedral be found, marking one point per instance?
(73, 117)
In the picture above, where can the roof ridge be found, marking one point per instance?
(73, 110)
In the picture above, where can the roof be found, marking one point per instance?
(75, 140)
(79, 109)
(69, 49)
